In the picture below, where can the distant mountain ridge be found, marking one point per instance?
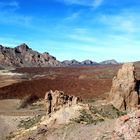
(88, 62)
(23, 56)
(107, 62)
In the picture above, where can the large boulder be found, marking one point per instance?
(123, 94)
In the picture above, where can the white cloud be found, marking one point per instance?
(9, 5)
(72, 17)
(84, 39)
(81, 30)
(124, 21)
(89, 3)
(97, 3)
(9, 15)
(14, 18)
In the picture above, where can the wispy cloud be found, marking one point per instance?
(125, 21)
(89, 3)
(97, 3)
(10, 5)
(83, 39)
(9, 14)
(14, 18)
(72, 17)
(81, 30)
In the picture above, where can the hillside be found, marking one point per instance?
(23, 56)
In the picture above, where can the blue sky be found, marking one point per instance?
(74, 29)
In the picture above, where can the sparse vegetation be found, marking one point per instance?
(107, 111)
(84, 118)
(87, 118)
(97, 114)
(29, 122)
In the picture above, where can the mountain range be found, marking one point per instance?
(23, 56)
(88, 62)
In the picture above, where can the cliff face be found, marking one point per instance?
(23, 56)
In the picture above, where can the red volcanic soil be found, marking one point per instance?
(85, 82)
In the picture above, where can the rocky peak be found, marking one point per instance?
(70, 62)
(23, 56)
(109, 62)
(86, 62)
(75, 62)
(22, 48)
(124, 94)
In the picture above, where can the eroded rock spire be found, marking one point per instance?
(123, 94)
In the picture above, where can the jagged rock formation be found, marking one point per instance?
(124, 91)
(127, 127)
(57, 99)
(23, 56)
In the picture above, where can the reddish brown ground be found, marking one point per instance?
(86, 82)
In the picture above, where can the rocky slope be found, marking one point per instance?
(23, 56)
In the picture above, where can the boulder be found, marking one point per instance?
(123, 94)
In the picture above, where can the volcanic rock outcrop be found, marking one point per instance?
(124, 92)
(23, 56)
(57, 99)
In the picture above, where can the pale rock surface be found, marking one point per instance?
(56, 100)
(123, 94)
